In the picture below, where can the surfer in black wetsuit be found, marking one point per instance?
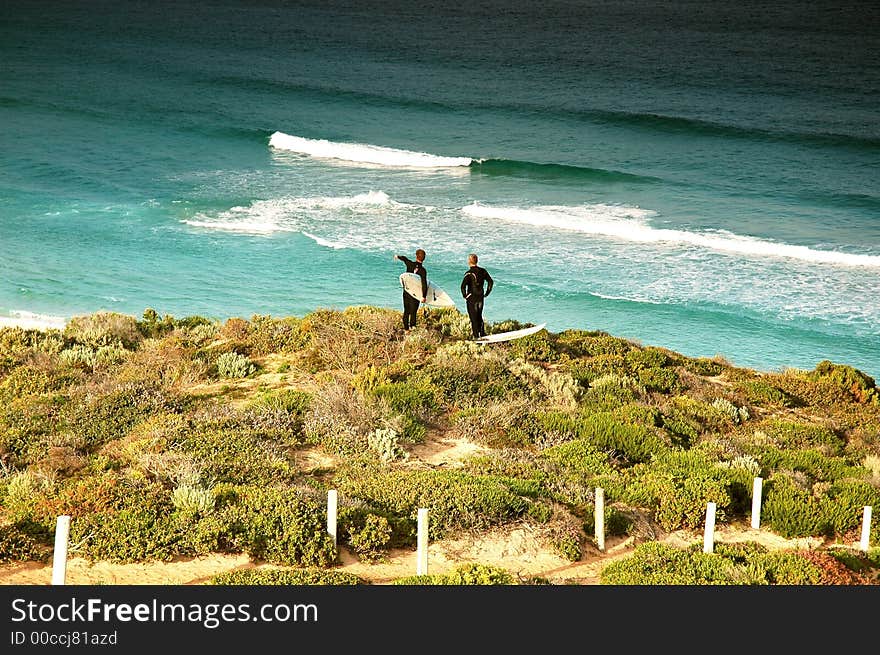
(476, 285)
(410, 304)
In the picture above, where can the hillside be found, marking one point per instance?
(187, 448)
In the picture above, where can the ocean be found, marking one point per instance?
(700, 176)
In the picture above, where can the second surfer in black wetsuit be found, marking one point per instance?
(472, 288)
(410, 304)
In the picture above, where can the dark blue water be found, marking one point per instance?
(703, 176)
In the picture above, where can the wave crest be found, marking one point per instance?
(630, 224)
(363, 153)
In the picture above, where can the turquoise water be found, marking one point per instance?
(698, 176)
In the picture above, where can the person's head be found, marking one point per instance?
(420, 255)
(472, 259)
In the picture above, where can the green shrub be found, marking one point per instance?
(859, 386)
(605, 344)
(371, 539)
(278, 415)
(796, 435)
(736, 414)
(704, 366)
(16, 546)
(103, 329)
(786, 568)
(234, 365)
(192, 500)
(682, 430)
(761, 392)
(566, 541)
(276, 525)
(454, 500)
(534, 348)
(660, 380)
(97, 419)
(791, 511)
(384, 442)
(655, 563)
(611, 391)
(236, 455)
(708, 416)
(616, 522)
(23, 491)
(26, 381)
(581, 456)
(844, 502)
(635, 443)
(812, 463)
(370, 377)
(587, 370)
(466, 574)
(142, 526)
(677, 486)
(295, 577)
(79, 356)
(639, 359)
(275, 335)
(417, 399)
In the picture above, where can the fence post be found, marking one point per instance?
(709, 532)
(422, 543)
(59, 557)
(866, 529)
(756, 503)
(331, 514)
(600, 518)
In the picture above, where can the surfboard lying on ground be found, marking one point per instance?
(436, 297)
(513, 334)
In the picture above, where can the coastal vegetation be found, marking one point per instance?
(164, 438)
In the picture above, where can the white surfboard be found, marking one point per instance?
(513, 334)
(436, 297)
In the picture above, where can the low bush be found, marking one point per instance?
(294, 577)
(16, 546)
(236, 455)
(234, 365)
(274, 524)
(454, 500)
(704, 366)
(860, 387)
(655, 563)
(791, 511)
(466, 574)
(797, 435)
(765, 394)
(103, 329)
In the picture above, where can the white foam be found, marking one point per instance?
(324, 242)
(265, 217)
(625, 298)
(630, 224)
(31, 321)
(363, 153)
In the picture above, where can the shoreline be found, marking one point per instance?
(32, 321)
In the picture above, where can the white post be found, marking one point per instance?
(422, 543)
(331, 514)
(600, 518)
(756, 503)
(59, 558)
(709, 533)
(866, 529)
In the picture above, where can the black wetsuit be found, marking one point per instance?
(472, 288)
(410, 304)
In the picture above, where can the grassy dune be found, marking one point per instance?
(167, 438)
